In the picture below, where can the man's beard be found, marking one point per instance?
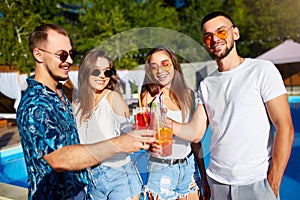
(56, 77)
(223, 55)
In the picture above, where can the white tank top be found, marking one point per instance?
(103, 125)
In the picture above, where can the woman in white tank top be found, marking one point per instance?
(101, 114)
(174, 176)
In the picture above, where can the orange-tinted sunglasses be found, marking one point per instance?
(164, 65)
(221, 33)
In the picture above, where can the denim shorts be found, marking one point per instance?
(114, 183)
(260, 190)
(170, 181)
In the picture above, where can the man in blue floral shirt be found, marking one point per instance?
(54, 158)
(49, 126)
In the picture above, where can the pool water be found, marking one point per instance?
(12, 166)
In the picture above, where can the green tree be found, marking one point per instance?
(19, 18)
(263, 24)
(193, 12)
(14, 32)
(103, 21)
(270, 23)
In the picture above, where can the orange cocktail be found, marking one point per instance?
(165, 140)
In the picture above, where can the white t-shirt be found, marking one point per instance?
(242, 133)
(103, 125)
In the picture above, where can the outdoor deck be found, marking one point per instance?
(9, 192)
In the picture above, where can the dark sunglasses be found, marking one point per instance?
(63, 55)
(108, 73)
(221, 33)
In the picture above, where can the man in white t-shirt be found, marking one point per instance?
(242, 100)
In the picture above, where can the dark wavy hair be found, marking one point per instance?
(180, 93)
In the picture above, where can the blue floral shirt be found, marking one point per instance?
(46, 124)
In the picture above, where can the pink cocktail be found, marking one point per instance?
(144, 119)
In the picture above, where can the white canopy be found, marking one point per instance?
(10, 86)
(286, 52)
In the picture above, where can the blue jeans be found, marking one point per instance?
(114, 183)
(170, 181)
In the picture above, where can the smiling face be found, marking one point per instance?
(219, 47)
(98, 81)
(48, 56)
(162, 68)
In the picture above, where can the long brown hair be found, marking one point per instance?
(180, 93)
(85, 93)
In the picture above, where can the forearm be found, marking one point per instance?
(280, 155)
(195, 129)
(198, 153)
(76, 157)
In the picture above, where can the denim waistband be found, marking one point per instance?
(169, 161)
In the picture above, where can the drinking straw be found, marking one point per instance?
(160, 102)
(143, 113)
(151, 102)
(145, 118)
(139, 99)
(146, 100)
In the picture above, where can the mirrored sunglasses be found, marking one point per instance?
(164, 65)
(221, 33)
(63, 55)
(107, 73)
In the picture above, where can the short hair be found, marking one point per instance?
(39, 35)
(214, 15)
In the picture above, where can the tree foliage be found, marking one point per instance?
(103, 20)
(263, 24)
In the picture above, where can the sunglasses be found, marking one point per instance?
(107, 73)
(164, 65)
(221, 33)
(63, 55)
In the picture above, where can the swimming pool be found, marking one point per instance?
(12, 166)
(13, 170)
